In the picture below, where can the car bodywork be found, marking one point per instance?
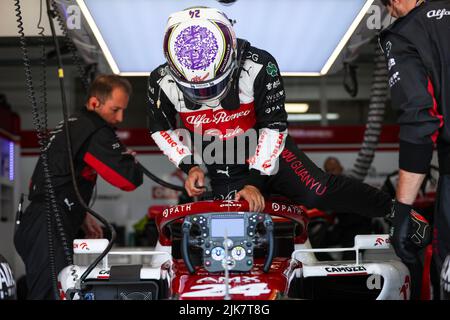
(293, 271)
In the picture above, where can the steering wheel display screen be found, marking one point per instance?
(230, 227)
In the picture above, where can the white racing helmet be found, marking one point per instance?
(200, 48)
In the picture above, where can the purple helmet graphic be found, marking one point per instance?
(200, 48)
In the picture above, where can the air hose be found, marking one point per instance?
(375, 117)
(51, 15)
(160, 181)
(40, 123)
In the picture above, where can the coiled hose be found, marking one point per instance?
(375, 117)
(51, 14)
(40, 124)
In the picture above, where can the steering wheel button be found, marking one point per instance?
(207, 252)
(218, 253)
(249, 244)
(228, 243)
(249, 251)
(205, 235)
(250, 233)
(238, 253)
(249, 262)
(207, 263)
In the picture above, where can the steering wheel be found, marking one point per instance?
(228, 239)
(227, 232)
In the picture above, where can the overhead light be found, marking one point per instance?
(312, 117)
(346, 37)
(296, 107)
(130, 34)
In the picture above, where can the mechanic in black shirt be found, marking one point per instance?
(96, 150)
(417, 49)
(222, 89)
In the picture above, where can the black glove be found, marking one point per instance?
(409, 232)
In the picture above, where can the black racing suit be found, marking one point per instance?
(417, 49)
(274, 164)
(96, 149)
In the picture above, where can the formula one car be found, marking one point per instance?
(220, 250)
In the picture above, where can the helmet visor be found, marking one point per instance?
(207, 91)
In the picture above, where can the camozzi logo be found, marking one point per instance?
(218, 117)
(438, 14)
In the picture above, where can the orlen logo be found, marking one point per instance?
(82, 246)
(381, 241)
(229, 133)
(230, 203)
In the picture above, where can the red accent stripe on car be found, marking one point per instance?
(110, 175)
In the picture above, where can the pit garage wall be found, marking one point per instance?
(125, 208)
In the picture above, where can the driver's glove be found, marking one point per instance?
(409, 231)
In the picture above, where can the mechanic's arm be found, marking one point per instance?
(109, 158)
(413, 95)
(271, 120)
(408, 186)
(91, 228)
(161, 121)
